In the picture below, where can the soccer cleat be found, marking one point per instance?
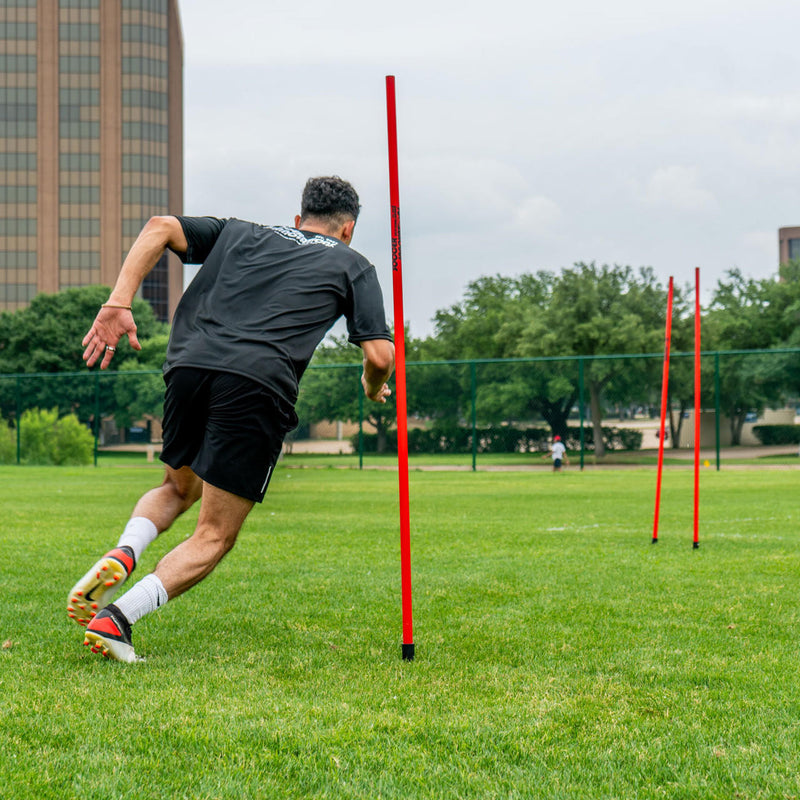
(96, 589)
(109, 633)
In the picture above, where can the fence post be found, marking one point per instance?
(19, 417)
(716, 403)
(96, 413)
(473, 374)
(360, 427)
(580, 403)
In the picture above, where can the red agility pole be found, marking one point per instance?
(695, 542)
(400, 376)
(664, 401)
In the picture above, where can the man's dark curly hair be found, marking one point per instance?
(329, 198)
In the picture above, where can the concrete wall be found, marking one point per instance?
(780, 416)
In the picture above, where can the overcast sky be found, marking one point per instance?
(531, 135)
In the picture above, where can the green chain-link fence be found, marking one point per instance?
(466, 411)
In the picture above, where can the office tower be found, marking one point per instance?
(91, 142)
(788, 245)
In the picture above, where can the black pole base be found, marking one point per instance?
(408, 652)
(695, 545)
(654, 541)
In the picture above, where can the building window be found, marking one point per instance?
(155, 289)
(17, 194)
(79, 162)
(79, 227)
(17, 30)
(17, 227)
(10, 62)
(17, 259)
(144, 33)
(154, 6)
(17, 292)
(22, 162)
(78, 32)
(77, 259)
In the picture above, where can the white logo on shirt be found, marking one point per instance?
(293, 235)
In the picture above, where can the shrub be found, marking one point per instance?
(448, 437)
(46, 439)
(777, 434)
(8, 444)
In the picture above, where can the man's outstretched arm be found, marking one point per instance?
(378, 367)
(115, 319)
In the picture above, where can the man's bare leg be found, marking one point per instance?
(221, 517)
(152, 514)
(178, 492)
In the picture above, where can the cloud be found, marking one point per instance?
(780, 109)
(530, 137)
(677, 188)
(759, 248)
(537, 215)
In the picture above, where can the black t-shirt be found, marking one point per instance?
(264, 299)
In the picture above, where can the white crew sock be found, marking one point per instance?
(138, 534)
(146, 596)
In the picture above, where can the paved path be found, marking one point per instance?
(727, 454)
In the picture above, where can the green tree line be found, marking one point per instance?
(46, 336)
(586, 310)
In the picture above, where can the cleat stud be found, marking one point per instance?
(70, 608)
(109, 583)
(71, 616)
(92, 614)
(104, 567)
(98, 575)
(117, 577)
(94, 605)
(80, 594)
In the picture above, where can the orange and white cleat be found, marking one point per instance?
(109, 634)
(96, 589)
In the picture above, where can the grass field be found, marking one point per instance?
(559, 653)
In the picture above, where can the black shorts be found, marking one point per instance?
(227, 428)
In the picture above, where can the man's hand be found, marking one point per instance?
(378, 366)
(109, 326)
(379, 395)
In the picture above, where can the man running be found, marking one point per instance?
(242, 336)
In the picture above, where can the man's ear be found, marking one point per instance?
(346, 234)
(297, 220)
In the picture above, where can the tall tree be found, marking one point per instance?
(583, 311)
(595, 311)
(331, 388)
(140, 395)
(46, 337)
(748, 314)
(489, 323)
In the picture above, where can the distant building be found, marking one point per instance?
(91, 142)
(789, 244)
